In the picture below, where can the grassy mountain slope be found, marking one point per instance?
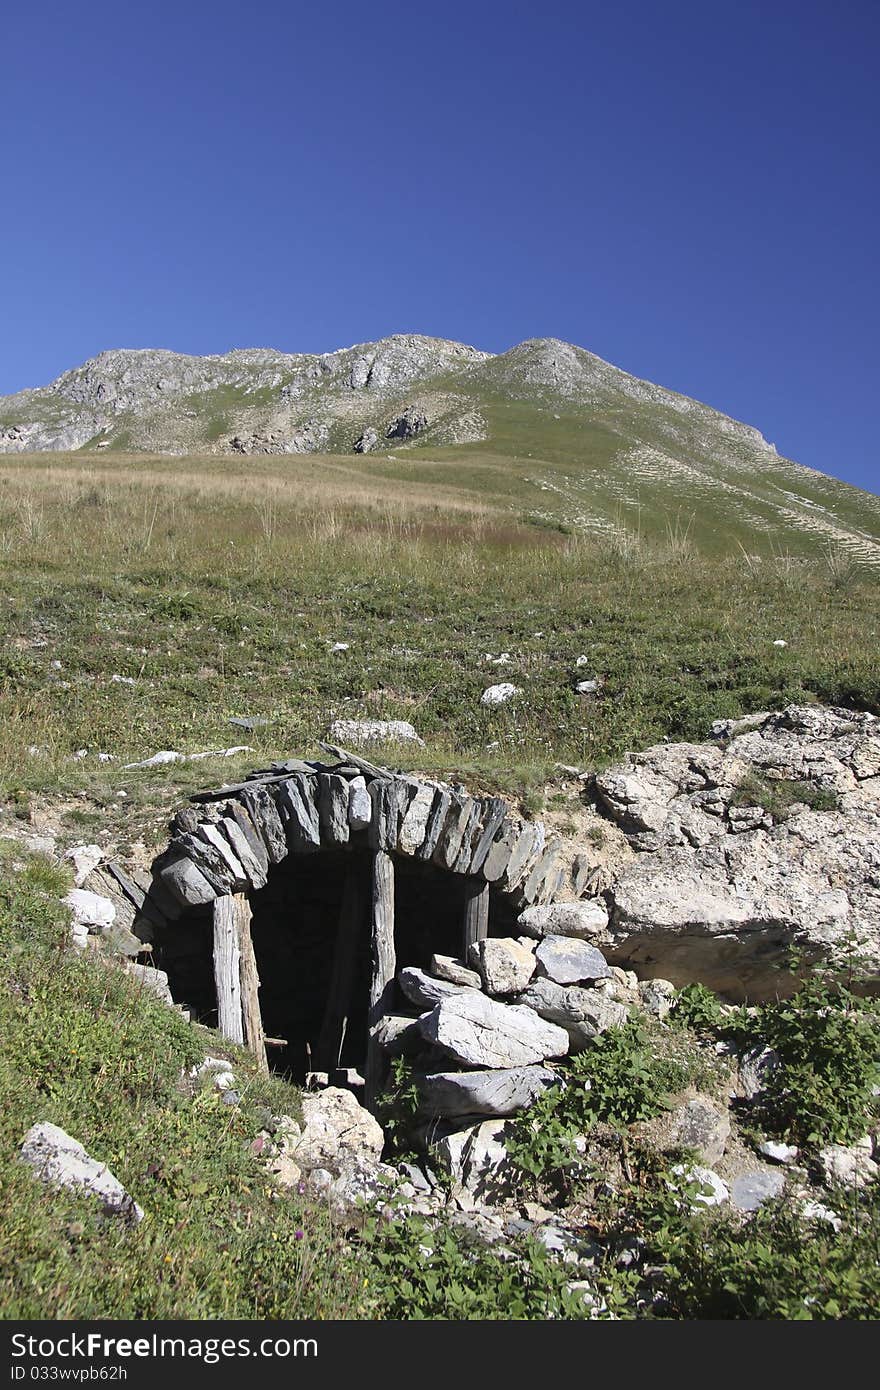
(548, 431)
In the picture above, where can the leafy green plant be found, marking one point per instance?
(398, 1106)
(616, 1081)
(828, 1042)
(697, 1008)
(420, 1270)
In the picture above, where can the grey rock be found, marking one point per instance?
(568, 961)
(755, 1067)
(255, 867)
(366, 442)
(60, 1161)
(335, 1128)
(434, 824)
(657, 997)
(721, 893)
(399, 1035)
(296, 797)
(587, 921)
(360, 807)
(505, 966)
(264, 813)
(700, 1125)
(476, 1158)
(505, 1092)
(778, 1152)
(90, 910)
(499, 694)
(749, 1191)
(713, 1190)
(494, 812)
(423, 990)
(156, 981)
(408, 424)
(187, 883)
(850, 1164)
(480, 1033)
(455, 972)
(583, 1013)
(360, 732)
(414, 822)
(333, 794)
(238, 813)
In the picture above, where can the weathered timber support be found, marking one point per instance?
(384, 966)
(235, 975)
(227, 969)
(352, 917)
(476, 913)
(254, 1036)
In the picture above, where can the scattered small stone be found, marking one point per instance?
(657, 997)
(582, 661)
(499, 694)
(750, 1191)
(587, 687)
(84, 859)
(780, 642)
(248, 722)
(123, 680)
(59, 1160)
(340, 647)
(91, 910)
(778, 1152)
(715, 1189)
(851, 1164)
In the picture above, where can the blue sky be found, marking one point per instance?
(688, 189)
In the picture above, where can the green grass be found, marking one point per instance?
(83, 1046)
(221, 593)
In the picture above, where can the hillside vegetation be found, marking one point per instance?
(546, 432)
(146, 602)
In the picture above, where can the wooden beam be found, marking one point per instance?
(352, 917)
(252, 1019)
(227, 969)
(476, 913)
(384, 966)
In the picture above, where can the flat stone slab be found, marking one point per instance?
(481, 1033)
(455, 972)
(456, 1094)
(61, 1161)
(423, 990)
(567, 961)
(585, 920)
(583, 1013)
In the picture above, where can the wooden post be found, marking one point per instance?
(352, 916)
(476, 914)
(227, 969)
(235, 975)
(384, 965)
(250, 984)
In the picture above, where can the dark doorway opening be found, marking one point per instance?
(314, 992)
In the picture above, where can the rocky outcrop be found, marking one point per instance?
(765, 840)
